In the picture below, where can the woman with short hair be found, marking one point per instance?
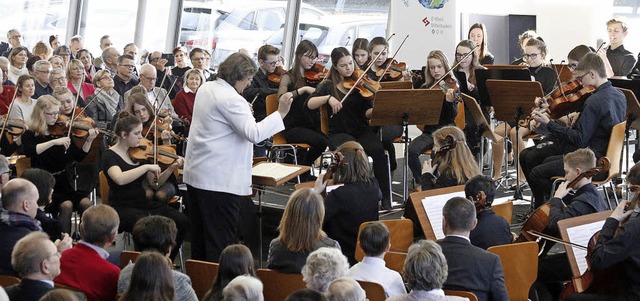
(322, 267)
(76, 83)
(105, 103)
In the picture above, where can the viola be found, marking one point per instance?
(565, 99)
(145, 152)
(439, 157)
(391, 70)
(315, 74)
(14, 127)
(365, 86)
(164, 113)
(275, 76)
(336, 164)
(79, 128)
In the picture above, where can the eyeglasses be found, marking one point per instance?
(128, 66)
(271, 63)
(64, 54)
(155, 59)
(59, 79)
(149, 78)
(52, 114)
(532, 56)
(75, 69)
(581, 76)
(461, 55)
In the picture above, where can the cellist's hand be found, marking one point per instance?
(619, 213)
(320, 185)
(428, 168)
(335, 104)
(562, 190)
(64, 141)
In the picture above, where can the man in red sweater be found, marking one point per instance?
(85, 266)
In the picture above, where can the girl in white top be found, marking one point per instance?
(24, 103)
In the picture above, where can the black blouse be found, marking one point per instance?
(351, 118)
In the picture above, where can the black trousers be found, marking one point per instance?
(539, 164)
(315, 139)
(372, 147)
(214, 218)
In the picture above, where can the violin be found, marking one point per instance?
(336, 164)
(145, 152)
(439, 157)
(275, 76)
(392, 70)
(14, 127)
(539, 219)
(365, 86)
(164, 113)
(153, 131)
(567, 98)
(315, 74)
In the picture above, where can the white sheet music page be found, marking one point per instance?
(581, 235)
(433, 206)
(273, 170)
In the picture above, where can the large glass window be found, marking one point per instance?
(116, 18)
(35, 19)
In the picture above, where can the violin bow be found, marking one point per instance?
(363, 74)
(453, 68)
(6, 120)
(556, 240)
(157, 108)
(73, 111)
(92, 99)
(392, 58)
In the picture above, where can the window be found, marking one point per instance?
(36, 20)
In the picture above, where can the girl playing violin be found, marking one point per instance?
(535, 53)
(360, 52)
(128, 179)
(478, 34)
(437, 66)
(376, 46)
(353, 203)
(349, 121)
(300, 125)
(47, 145)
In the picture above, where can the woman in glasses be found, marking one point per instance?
(76, 83)
(106, 102)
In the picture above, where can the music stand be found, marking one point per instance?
(482, 75)
(407, 107)
(563, 71)
(416, 201)
(512, 97)
(633, 118)
(480, 120)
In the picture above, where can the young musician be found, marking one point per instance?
(127, 180)
(349, 121)
(602, 110)
(491, 230)
(535, 53)
(478, 34)
(621, 60)
(360, 52)
(523, 38)
(300, 125)
(53, 152)
(437, 66)
(260, 87)
(353, 203)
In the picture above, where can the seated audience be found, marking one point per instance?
(425, 271)
(306, 295)
(235, 260)
(150, 279)
(44, 181)
(345, 289)
(375, 242)
(157, 233)
(491, 230)
(243, 288)
(106, 102)
(61, 294)
(322, 267)
(470, 268)
(300, 232)
(84, 267)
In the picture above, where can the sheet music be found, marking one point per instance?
(433, 206)
(581, 235)
(273, 170)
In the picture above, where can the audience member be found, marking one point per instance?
(15, 40)
(84, 267)
(41, 51)
(491, 230)
(65, 53)
(150, 279)
(470, 268)
(75, 45)
(306, 295)
(235, 260)
(106, 102)
(54, 42)
(243, 288)
(186, 98)
(164, 79)
(5, 173)
(154, 94)
(42, 69)
(61, 294)
(322, 267)
(198, 59)
(345, 289)
(18, 63)
(105, 42)
(124, 79)
(375, 242)
(300, 232)
(110, 59)
(44, 182)
(4, 65)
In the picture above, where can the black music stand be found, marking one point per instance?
(482, 75)
(407, 107)
(513, 97)
(479, 119)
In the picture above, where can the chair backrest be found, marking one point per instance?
(395, 260)
(202, 274)
(520, 264)
(128, 256)
(460, 121)
(374, 291)
(104, 188)
(8, 280)
(400, 235)
(277, 286)
(469, 295)
(22, 164)
(505, 210)
(272, 106)
(324, 119)
(614, 150)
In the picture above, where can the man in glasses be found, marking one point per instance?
(125, 79)
(160, 63)
(42, 69)
(602, 110)
(15, 40)
(198, 57)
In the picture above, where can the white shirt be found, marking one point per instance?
(223, 131)
(373, 269)
(102, 252)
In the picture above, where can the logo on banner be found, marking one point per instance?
(433, 4)
(426, 21)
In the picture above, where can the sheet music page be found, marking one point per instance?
(273, 170)
(433, 206)
(580, 235)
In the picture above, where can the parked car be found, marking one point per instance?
(199, 22)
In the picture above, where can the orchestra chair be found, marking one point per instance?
(520, 264)
(22, 164)
(505, 210)
(401, 238)
(202, 274)
(127, 257)
(277, 286)
(373, 291)
(469, 295)
(8, 280)
(302, 185)
(280, 143)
